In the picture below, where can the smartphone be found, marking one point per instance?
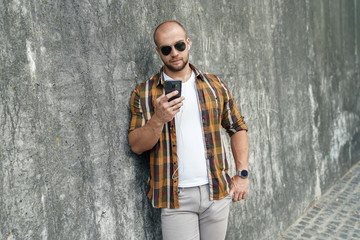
(171, 86)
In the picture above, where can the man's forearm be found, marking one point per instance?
(240, 150)
(145, 138)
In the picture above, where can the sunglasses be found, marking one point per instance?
(166, 50)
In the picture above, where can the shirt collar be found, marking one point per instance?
(198, 74)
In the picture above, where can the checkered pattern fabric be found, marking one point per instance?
(217, 108)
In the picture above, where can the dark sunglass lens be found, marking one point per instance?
(166, 50)
(180, 46)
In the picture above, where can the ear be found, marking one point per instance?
(188, 43)
(157, 50)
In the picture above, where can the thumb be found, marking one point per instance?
(231, 192)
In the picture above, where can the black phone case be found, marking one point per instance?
(171, 86)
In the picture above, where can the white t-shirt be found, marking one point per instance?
(189, 137)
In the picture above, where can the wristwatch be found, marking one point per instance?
(243, 173)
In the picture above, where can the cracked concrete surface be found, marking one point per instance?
(67, 69)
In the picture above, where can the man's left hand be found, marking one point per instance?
(239, 188)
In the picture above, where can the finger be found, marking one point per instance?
(236, 197)
(177, 100)
(162, 98)
(176, 110)
(172, 94)
(231, 192)
(177, 106)
(244, 195)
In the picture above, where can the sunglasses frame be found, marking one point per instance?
(180, 46)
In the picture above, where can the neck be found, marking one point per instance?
(182, 75)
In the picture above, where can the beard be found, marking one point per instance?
(179, 68)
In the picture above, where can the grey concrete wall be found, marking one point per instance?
(67, 69)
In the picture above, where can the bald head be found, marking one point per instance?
(167, 27)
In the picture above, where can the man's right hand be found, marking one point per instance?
(165, 111)
(145, 138)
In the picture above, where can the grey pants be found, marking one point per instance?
(197, 217)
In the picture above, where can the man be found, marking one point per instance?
(189, 179)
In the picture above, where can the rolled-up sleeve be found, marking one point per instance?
(137, 116)
(232, 121)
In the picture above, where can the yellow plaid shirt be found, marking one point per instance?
(217, 108)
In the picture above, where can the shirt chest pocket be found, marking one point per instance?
(214, 104)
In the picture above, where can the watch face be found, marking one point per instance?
(244, 173)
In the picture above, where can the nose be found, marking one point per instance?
(174, 52)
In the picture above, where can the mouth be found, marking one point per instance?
(175, 61)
